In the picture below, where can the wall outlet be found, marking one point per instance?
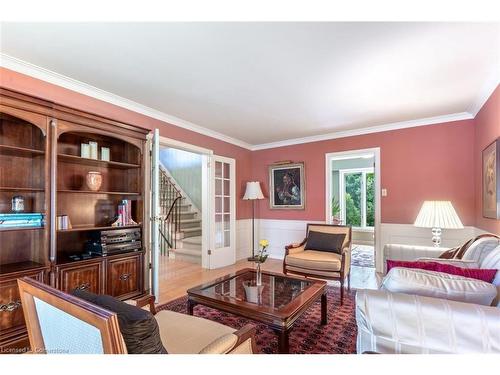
(384, 192)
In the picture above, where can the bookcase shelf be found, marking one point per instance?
(67, 191)
(84, 228)
(19, 151)
(93, 162)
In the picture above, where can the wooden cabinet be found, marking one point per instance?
(124, 276)
(87, 277)
(41, 160)
(13, 329)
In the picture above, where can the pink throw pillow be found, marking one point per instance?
(474, 273)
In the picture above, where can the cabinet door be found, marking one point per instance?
(11, 311)
(85, 277)
(125, 277)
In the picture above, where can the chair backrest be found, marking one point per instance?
(60, 323)
(334, 229)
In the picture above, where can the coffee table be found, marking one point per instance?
(278, 303)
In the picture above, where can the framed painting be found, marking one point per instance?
(491, 180)
(287, 186)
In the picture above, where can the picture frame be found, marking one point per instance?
(287, 186)
(491, 180)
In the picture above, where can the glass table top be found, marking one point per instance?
(275, 292)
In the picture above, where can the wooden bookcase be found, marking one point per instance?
(40, 160)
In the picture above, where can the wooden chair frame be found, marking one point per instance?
(105, 321)
(342, 276)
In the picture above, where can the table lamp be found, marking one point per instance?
(253, 192)
(438, 215)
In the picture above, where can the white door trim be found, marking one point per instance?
(329, 157)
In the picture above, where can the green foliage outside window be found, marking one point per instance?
(353, 199)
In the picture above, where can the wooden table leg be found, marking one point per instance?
(190, 306)
(283, 341)
(324, 313)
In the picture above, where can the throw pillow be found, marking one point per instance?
(474, 273)
(438, 285)
(331, 242)
(138, 327)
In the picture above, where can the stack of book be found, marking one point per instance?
(30, 220)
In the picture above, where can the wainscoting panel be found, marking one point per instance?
(244, 238)
(407, 234)
(283, 232)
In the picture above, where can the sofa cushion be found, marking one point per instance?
(320, 241)
(480, 249)
(138, 327)
(315, 260)
(439, 285)
(474, 273)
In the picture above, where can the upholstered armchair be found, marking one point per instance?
(61, 323)
(321, 264)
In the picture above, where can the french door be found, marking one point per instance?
(222, 250)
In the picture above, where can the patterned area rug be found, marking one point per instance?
(362, 256)
(307, 337)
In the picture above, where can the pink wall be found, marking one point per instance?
(428, 162)
(487, 129)
(422, 163)
(35, 87)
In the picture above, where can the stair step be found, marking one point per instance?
(194, 229)
(188, 255)
(195, 240)
(190, 223)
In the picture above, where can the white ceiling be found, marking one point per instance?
(267, 82)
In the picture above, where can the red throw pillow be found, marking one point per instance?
(474, 273)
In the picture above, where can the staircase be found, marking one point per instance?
(184, 223)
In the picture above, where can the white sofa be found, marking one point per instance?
(391, 322)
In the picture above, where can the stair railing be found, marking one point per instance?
(170, 213)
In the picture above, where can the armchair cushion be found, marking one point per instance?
(187, 334)
(315, 260)
(439, 285)
(138, 327)
(321, 241)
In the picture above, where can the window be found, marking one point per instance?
(357, 197)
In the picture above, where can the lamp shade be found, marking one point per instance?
(253, 191)
(438, 214)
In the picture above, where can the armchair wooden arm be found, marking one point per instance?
(294, 246)
(146, 300)
(244, 333)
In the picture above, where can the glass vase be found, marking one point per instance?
(258, 275)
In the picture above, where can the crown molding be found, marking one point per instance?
(372, 129)
(486, 91)
(43, 74)
(46, 75)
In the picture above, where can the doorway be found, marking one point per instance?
(353, 198)
(192, 208)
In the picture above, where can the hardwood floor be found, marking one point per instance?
(177, 276)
